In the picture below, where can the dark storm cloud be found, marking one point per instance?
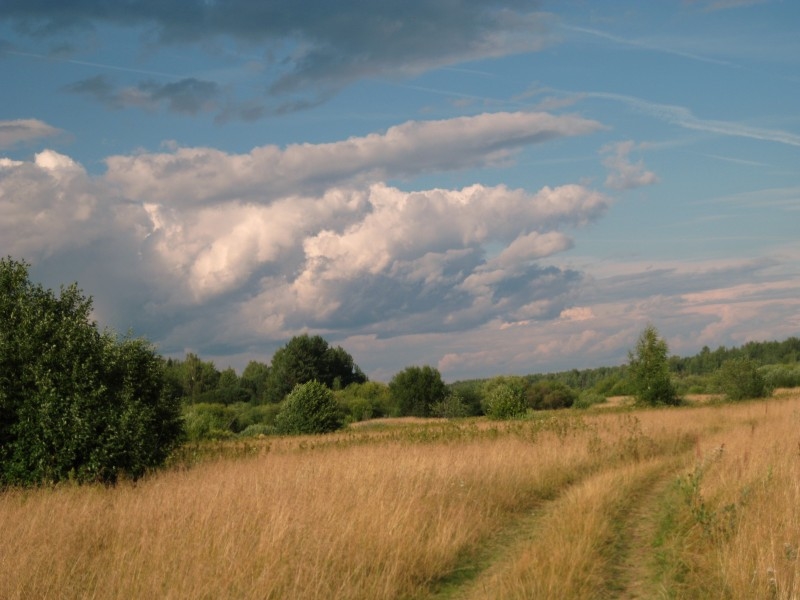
(186, 96)
(326, 44)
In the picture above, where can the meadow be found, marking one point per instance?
(696, 501)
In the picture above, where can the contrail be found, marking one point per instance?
(682, 116)
(85, 63)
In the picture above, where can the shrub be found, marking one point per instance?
(739, 379)
(587, 399)
(75, 403)
(505, 402)
(309, 408)
(256, 430)
(547, 394)
(781, 376)
(452, 407)
(363, 401)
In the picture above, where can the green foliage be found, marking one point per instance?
(416, 389)
(309, 408)
(588, 398)
(505, 401)
(739, 379)
(649, 370)
(75, 403)
(452, 407)
(550, 394)
(471, 393)
(363, 401)
(305, 358)
(781, 376)
(213, 421)
(254, 380)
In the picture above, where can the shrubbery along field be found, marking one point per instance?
(512, 487)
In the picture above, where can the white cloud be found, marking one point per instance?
(20, 131)
(625, 175)
(191, 176)
(48, 205)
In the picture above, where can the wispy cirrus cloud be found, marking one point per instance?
(683, 117)
(714, 5)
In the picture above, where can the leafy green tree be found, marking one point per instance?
(548, 394)
(254, 380)
(363, 401)
(505, 401)
(307, 358)
(74, 402)
(309, 408)
(199, 377)
(740, 379)
(416, 389)
(648, 368)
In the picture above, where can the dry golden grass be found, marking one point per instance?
(402, 512)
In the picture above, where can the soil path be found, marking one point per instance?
(631, 575)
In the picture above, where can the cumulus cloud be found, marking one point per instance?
(623, 174)
(48, 204)
(236, 250)
(193, 176)
(312, 49)
(20, 131)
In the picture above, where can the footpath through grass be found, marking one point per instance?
(678, 503)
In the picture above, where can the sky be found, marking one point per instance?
(484, 186)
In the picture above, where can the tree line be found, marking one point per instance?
(77, 403)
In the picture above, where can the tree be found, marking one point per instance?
(504, 401)
(416, 389)
(649, 370)
(310, 408)
(740, 379)
(254, 379)
(307, 358)
(74, 402)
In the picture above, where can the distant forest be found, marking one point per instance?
(691, 373)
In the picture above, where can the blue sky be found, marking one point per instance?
(485, 187)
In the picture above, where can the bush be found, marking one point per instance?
(547, 395)
(781, 376)
(587, 399)
(452, 407)
(363, 401)
(257, 429)
(309, 408)
(75, 403)
(505, 402)
(739, 379)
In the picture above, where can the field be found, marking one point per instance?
(692, 502)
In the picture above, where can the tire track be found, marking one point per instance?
(607, 556)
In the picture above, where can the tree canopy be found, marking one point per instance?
(649, 370)
(75, 403)
(309, 358)
(416, 389)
